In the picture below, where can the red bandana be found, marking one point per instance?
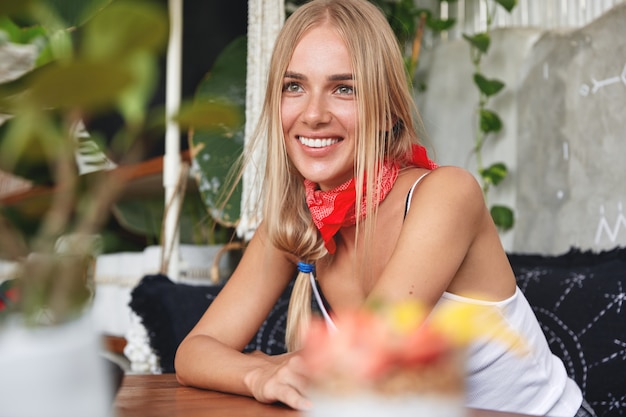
(333, 209)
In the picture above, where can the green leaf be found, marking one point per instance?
(12, 91)
(440, 25)
(134, 101)
(495, 173)
(75, 13)
(21, 149)
(124, 28)
(488, 87)
(479, 41)
(80, 84)
(14, 7)
(401, 15)
(489, 121)
(503, 217)
(143, 215)
(46, 56)
(509, 5)
(215, 151)
(210, 114)
(20, 35)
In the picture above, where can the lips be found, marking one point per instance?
(317, 142)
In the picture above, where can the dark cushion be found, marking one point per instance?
(580, 300)
(169, 311)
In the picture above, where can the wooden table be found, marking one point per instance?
(162, 396)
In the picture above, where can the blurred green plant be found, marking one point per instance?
(93, 57)
(489, 122)
(89, 58)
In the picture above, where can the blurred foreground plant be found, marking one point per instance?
(92, 57)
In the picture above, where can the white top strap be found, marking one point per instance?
(410, 195)
(320, 303)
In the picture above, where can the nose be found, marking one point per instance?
(316, 111)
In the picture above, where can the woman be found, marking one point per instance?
(339, 120)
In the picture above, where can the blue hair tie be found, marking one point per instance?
(306, 268)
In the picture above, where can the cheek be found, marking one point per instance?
(287, 115)
(348, 117)
(287, 119)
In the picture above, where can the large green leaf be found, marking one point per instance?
(14, 7)
(216, 149)
(124, 28)
(208, 115)
(80, 84)
(76, 84)
(144, 216)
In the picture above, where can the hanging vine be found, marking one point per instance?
(409, 23)
(489, 121)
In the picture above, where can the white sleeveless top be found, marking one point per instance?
(535, 383)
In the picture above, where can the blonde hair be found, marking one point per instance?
(386, 130)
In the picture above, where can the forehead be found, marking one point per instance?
(321, 46)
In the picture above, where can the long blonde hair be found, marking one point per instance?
(386, 130)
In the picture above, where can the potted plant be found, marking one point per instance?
(87, 58)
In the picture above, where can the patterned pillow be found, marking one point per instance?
(580, 300)
(169, 311)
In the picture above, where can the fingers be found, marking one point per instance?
(294, 399)
(287, 384)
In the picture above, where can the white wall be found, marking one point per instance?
(561, 144)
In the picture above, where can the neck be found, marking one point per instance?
(345, 238)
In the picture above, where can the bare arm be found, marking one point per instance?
(448, 243)
(210, 356)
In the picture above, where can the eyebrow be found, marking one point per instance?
(335, 77)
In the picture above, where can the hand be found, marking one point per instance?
(282, 379)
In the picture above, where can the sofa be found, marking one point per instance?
(578, 297)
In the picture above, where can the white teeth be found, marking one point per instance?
(317, 143)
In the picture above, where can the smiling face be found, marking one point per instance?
(319, 108)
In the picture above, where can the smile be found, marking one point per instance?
(317, 143)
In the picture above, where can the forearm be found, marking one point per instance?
(204, 362)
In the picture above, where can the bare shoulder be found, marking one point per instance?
(449, 183)
(452, 174)
(448, 198)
